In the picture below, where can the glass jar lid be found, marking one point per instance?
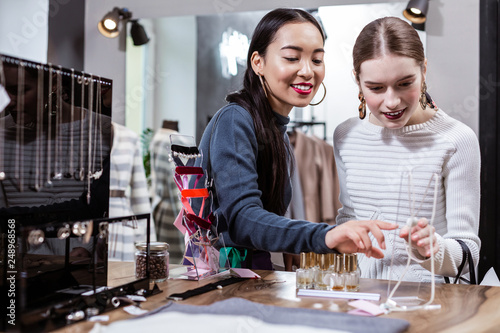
(153, 246)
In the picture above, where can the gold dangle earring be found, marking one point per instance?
(324, 95)
(262, 83)
(423, 97)
(362, 106)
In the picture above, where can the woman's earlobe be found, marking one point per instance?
(256, 61)
(354, 77)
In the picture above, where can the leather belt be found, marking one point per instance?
(205, 288)
(116, 194)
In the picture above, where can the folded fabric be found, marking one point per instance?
(206, 323)
(258, 318)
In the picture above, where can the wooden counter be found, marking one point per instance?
(464, 308)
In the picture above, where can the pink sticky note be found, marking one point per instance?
(244, 273)
(365, 308)
(178, 222)
(359, 312)
(194, 273)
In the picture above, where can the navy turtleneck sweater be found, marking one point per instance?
(241, 217)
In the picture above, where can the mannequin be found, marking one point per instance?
(171, 124)
(128, 194)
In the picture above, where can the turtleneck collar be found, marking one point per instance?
(282, 121)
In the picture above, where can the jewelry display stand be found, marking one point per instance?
(55, 143)
(199, 227)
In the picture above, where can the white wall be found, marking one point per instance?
(453, 72)
(106, 57)
(24, 28)
(161, 75)
(453, 58)
(175, 73)
(343, 25)
(136, 89)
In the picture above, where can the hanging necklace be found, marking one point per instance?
(39, 128)
(89, 170)
(98, 131)
(57, 175)
(411, 222)
(2, 141)
(79, 173)
(18, 173)
(48, 109)
(72, 119)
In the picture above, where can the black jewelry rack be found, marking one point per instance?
(55, 143)
(50, 291)
(46, 67)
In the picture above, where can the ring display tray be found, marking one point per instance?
(63, 280)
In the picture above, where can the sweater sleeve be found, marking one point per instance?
(346, 212)
(233, 155)
(461, 174)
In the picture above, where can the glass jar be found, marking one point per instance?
(304, 275)
(158, 261)
(313, 260)
(337, 279)
(322, 277)
(352, 272)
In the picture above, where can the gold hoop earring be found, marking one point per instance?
(423, 97)
(262, 83)
(324, 95)
(362, 106)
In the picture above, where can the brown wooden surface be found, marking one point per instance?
(463, 308)
(120, 273)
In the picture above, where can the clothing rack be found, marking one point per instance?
(298, 123)
(87, 77)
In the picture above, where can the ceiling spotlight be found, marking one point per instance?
(139, 36)
(416, 11)
(108, 26)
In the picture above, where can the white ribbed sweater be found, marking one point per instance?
(374, 164)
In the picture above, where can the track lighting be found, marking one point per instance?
(109, 25)
(139, 36)
(416, 11)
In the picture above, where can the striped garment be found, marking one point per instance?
(165, 194)
(374, 164)
(128, 194)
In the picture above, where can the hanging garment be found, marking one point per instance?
(128, 194)
(328, 182)
(318, 177)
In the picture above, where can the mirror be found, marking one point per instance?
(191, 63)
